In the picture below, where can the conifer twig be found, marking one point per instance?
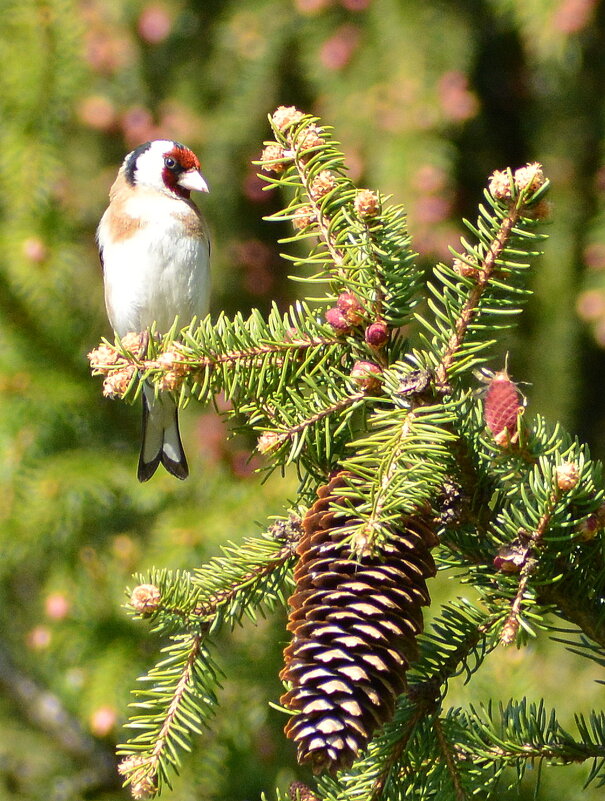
(209, 606)
(424, 697)
(367, 533)
(320, 218)
(334, 408)
(420, 711)
(177, 697)
(109, 357)
(144, 771)
(511, 625)
(449, 759)
(484, 272)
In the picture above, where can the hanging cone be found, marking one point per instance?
(354, 623)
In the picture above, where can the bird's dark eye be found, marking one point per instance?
(169, 162)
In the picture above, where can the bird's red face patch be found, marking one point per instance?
(184, 157)
(177, 161)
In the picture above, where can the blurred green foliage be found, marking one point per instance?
(428, 98)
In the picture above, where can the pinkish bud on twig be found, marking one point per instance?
(530, 177)
(349, 305)
(337, 320)
(301, 792)
(366, 375)
(511, 558)
(500, 185)
(303, 218)
(117, 382)
(465, 269)
(269, 441)
(308, 138)
(589, 528)
(568, 475)
(367, 203)
(145, 598)
(377, 334)
(322, 184)
(285, 116)
(272, 158)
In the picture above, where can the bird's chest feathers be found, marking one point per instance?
(160, 226)
(155, 253)
(152, 233)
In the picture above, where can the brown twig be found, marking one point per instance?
(323, 224)
(248, 354)
(511, 626)
(141, 770)
(368, 528)
(218, 598)
(321, 220)
(339, 406)
(484, 273)
(449, 760)
(418, 714)
(179, 692)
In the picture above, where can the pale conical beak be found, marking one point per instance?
(192, 180)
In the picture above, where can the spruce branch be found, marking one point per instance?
(181, 684)
(486, 281)
(249, 576)
(211, 355)
(290, 431)
(540, 540)
(391, 765)
(519, 733)
(316, 207)
(461, 631)
(530, 562)
(182, 697)
(398, 466)
(391, 444)
(362, 247)
(458, 748)
(483, 271)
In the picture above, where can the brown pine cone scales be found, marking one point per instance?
(354, 623)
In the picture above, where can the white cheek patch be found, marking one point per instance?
(150, 165)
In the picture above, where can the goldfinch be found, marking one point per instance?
(155, 251)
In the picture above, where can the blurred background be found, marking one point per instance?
(427, 98)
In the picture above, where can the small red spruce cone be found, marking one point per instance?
(354, 623)
(501, 408)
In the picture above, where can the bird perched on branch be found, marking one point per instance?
(155, 251)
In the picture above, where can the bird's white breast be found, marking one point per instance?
(156, 265)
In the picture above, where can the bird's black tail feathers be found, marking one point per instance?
(161, 438)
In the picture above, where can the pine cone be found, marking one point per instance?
(354, 623)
